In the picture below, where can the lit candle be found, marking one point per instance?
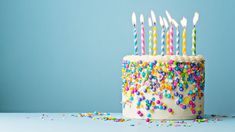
(177, 37)
(195, 20)
(184, 25)
(171, 40)
(162, 35)
(135, 33)
(167, 36)
(154, 33)
(171, 33)
(142, 34)
(150, 36)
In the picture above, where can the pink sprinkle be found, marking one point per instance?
(193, 105)
(170, 110)
(171, 62)
(188, 71)
(190, 102)
(175, 83)
(181, 66)
(158, 101)
(147, 120)
(132, 91)
(181, 106)
(135, 90)
(193, 112)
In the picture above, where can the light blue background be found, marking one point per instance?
(65, 56)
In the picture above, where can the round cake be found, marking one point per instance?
(163, 87)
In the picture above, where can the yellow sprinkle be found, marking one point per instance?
(186, 100)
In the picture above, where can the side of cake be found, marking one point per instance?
(163, 87)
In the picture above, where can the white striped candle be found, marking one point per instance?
(171, 33)
(195, 20)
(150, 42)
(167, 35)
(154, 33)
(177, 41)
(135, 42)
(194, 41)
(184, 50)
(142, 34)
(163, 41)
(135, 33)
(171, 40)
(177, 36)
(184, 25)
(162, 35)
(150, 36)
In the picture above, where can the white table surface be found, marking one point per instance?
(72, 122)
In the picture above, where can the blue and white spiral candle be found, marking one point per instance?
(163, 41)
(135, 41)
(177, 41)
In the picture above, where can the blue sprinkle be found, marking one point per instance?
(181, 89)
(177, 102)
(153, 99)
(190, 92)
(131, 98)
(180, 100)
(147, 101)
(147, 108)
(176, 93)
(168, 96)
(180, 85)
(181, 95)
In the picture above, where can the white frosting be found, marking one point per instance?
(166, 58)
(129, 110)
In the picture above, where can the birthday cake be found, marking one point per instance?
(163, 86)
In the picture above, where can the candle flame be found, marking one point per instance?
(153, 17)
(168, 16)
(175, 23)
(183, 22)
(195, 18)
(133, 19)
(165, 23)
(150, 22)
(161, 21)
(142, 18)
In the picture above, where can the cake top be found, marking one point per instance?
(173, 35)
(165, 58)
